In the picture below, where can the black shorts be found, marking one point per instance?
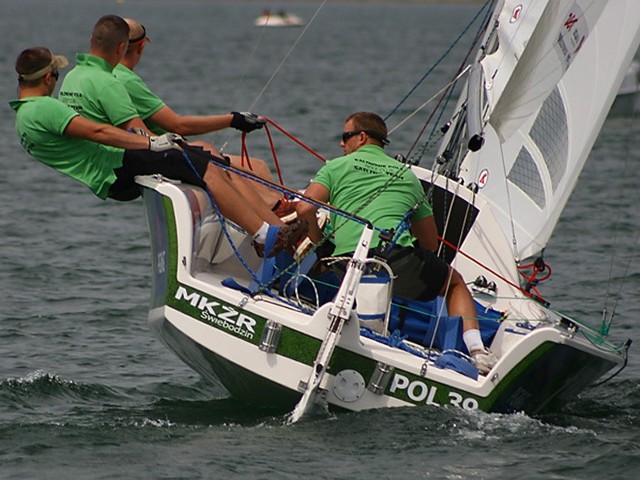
(170, 163)
(421, 274)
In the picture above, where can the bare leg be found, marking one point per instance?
(232, 203)
(459, 300)
(261, 169)
(254, 199)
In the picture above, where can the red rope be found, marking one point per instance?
(245, 152)
(536, 267)
(535, 296)
(282, 130)
(273, 153)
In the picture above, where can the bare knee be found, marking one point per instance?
(454, 282)
(214, 175)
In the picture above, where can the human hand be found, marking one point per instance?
(166, 141)
(246, 121)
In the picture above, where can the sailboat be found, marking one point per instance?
(284, 333)
(627, 101)
(278, 20)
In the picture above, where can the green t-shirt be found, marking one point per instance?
(41, 122)
(359, 179)
(144, 100)
(91, 90)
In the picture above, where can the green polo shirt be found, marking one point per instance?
(144, 100)
(357, 183)
(91, 90)
(41, 123)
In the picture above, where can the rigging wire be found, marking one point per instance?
(434, 66)
(433, 97)
(264, 88)
(280, 65)
(607, 319)
(448, 92)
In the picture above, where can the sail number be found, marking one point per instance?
(419, 392)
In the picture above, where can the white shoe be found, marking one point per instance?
(484, 360)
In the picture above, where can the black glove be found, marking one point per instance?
(246, 121)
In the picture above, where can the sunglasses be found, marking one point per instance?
(142, 36)
(347, 135)
(55, 74)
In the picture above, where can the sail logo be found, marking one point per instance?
(515, 15)
(571, 36)
(219, 315)
(483, 178)
(571, 20)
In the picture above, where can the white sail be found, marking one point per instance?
(517, 21)
(561, 31)
(544, 123)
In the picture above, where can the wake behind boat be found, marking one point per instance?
(287, 332)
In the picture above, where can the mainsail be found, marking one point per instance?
(548, 84)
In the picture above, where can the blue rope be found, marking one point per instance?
(223, 223)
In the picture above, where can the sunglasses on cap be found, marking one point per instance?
(142, 36)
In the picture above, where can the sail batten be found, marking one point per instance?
(546, 108)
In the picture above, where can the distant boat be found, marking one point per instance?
(280, 19)
(627, 100)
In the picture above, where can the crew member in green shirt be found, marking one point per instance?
(369, 183)
(106, 159)
(159, 117)
(89, 89)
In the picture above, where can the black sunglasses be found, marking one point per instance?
(55, 74)
(347, 135)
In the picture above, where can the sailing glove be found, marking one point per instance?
(164, 142)
(246, 121)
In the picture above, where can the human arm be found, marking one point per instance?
(80, 127)
(169, 120)
(137, 125)
(426, 232)
(307, 211)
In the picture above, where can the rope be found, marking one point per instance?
(433, 97)
(221, 218)
(442, 57)
(266, 288)
(290, 136)
(606, 322)
(485, 267)
(273, 153)
(448, 92)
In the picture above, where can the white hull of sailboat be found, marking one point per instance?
(227, 336)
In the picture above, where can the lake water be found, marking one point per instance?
(86, 391)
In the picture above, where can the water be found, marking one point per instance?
(86, 391)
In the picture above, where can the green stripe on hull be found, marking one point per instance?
(549, 374)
